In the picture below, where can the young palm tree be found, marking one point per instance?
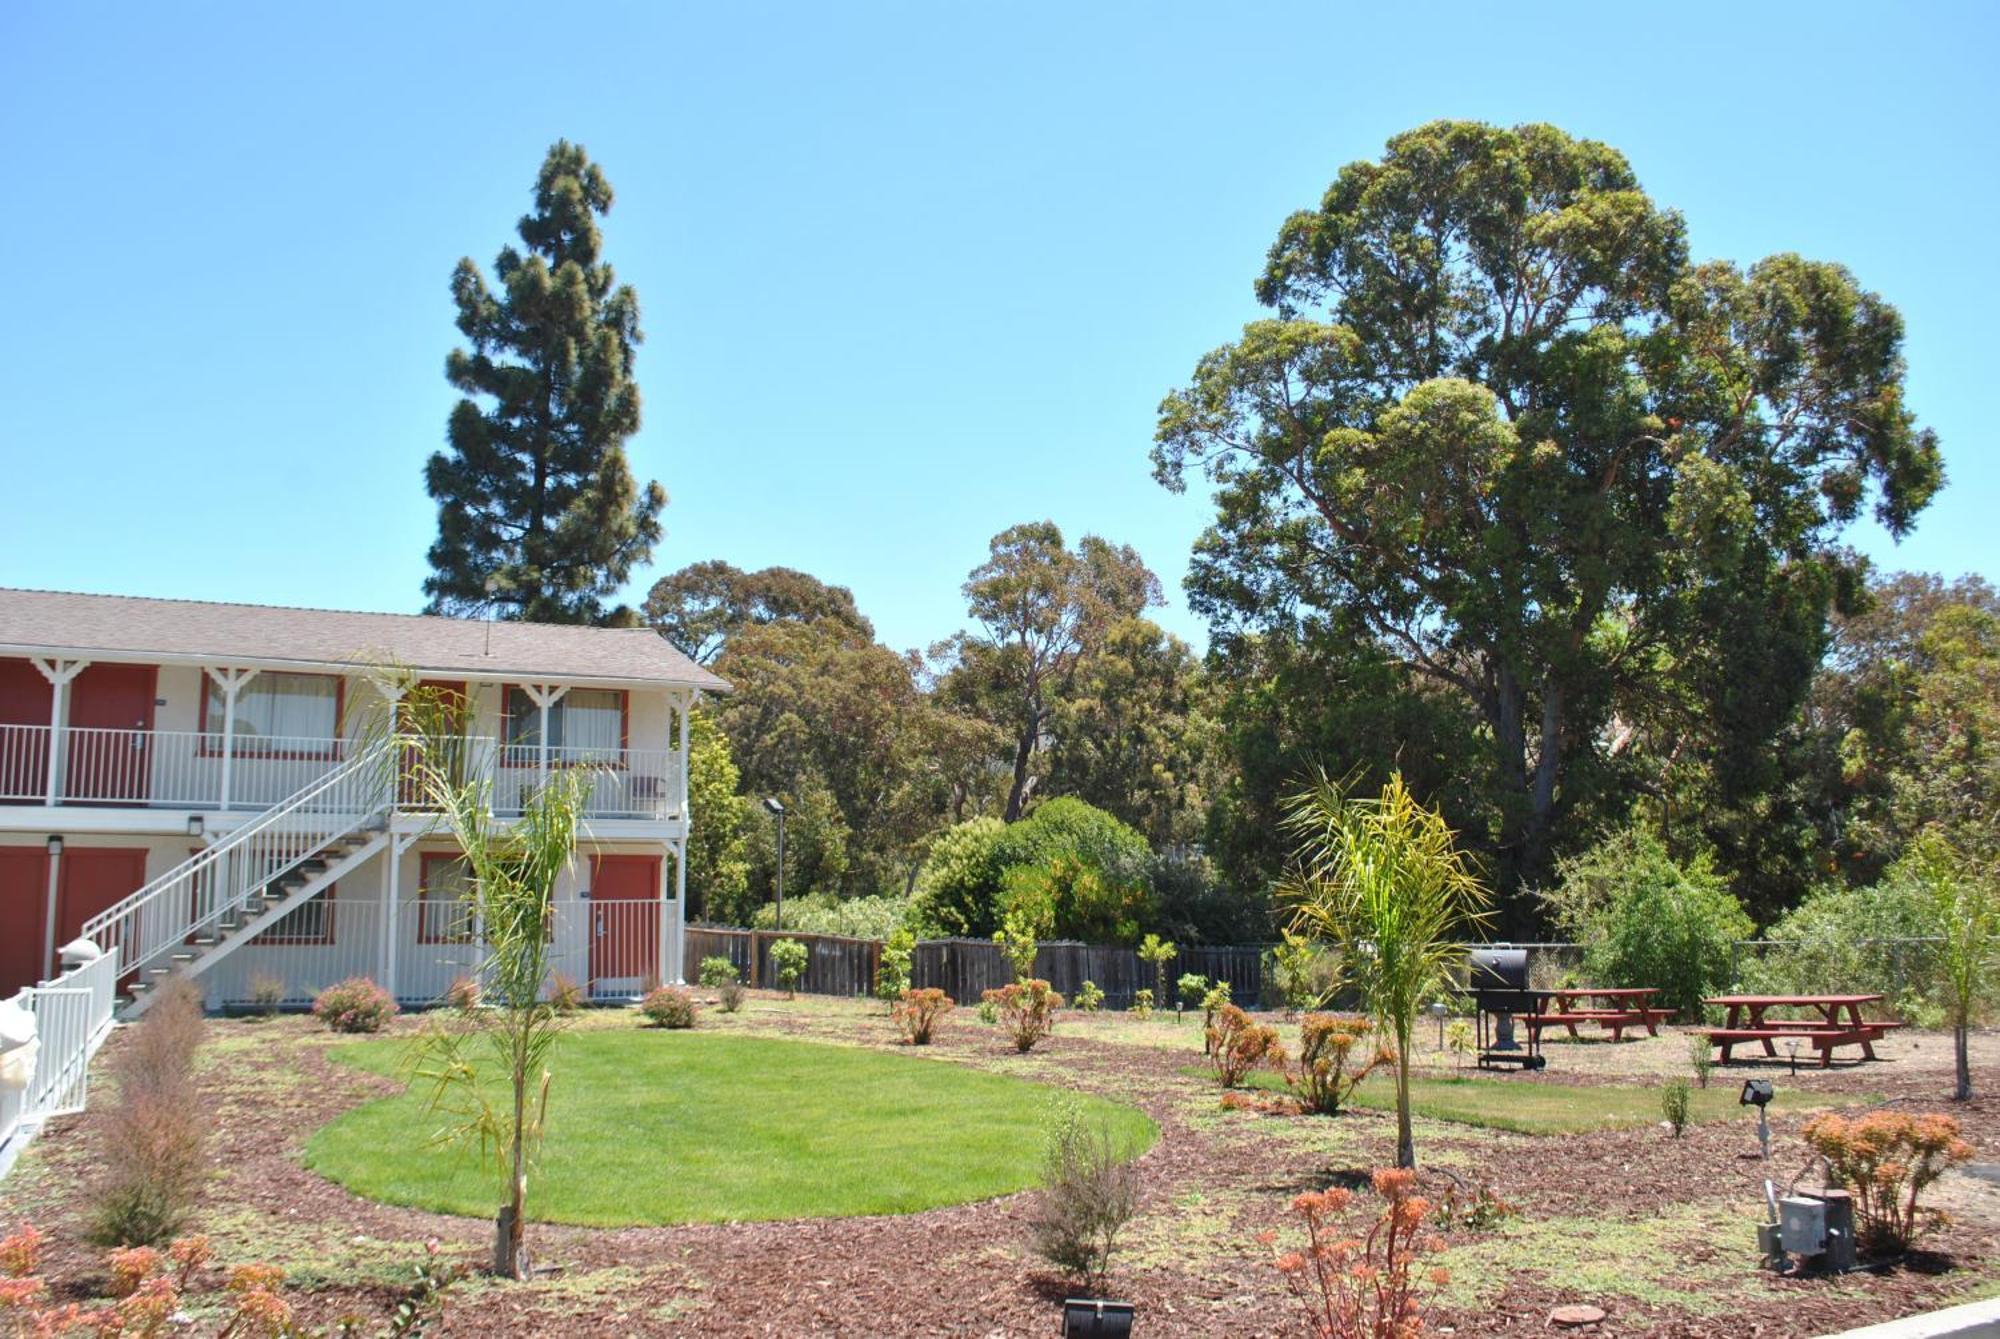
(1966, 920)
(1381, 880)
(512, 871)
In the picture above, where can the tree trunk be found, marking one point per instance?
(1024, 752)
(1406, 1143)
(1963, 1061)
(510, 1256)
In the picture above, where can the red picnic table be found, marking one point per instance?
(1617, 1008)
(1747, 1022)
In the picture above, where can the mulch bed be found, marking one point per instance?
(1193, 1265)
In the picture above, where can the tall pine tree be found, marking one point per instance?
(539, 516)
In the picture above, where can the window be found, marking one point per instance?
(444, 907)
(585, 725)
(311, 922)
(276, 713)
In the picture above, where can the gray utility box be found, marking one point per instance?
(1819, 1228)
(1802, 1224)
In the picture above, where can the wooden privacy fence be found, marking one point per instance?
(966, 968)
(835, 964)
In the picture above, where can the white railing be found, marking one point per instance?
(169, 769)
(194, 895)
(608, 948)
(24, 762)
(72, 1014)
(623, 783)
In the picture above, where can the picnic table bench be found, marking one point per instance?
(1839, 1023)
(1618, 1007)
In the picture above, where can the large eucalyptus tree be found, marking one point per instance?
(1500, 424)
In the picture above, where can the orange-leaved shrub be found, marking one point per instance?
(669, 1007)
(1028, 1008)
(354, 1005)
(1886, 1159)
(1366, 1287)
(1237, 1044)
(1335, 1054)
(917, 1013)
(155, 1127)
(150, 1295)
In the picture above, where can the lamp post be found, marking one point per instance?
(777, 811)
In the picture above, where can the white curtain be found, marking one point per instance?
(281, 706)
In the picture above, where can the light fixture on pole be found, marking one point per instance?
(777, 811)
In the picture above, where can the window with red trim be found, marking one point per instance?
(585, 725)
(444, 903)
(278, 714)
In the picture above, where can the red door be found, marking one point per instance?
(24, 901)
(625, 917)
(24, 733)
(106, 761)
(90, 879)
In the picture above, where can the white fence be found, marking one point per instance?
(72, 1015)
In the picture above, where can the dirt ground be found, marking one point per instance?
(1658, 1232)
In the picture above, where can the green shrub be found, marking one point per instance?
(1674, 1100)
(1307, 974)
(892, 977)
(822, 913)
(1191, 987)
(354, 1005)
(1142, 1003)
(1191, 902)
(1701, 1057)
(1852, 941)
(668, 1007)
(1091, 867)
(1158, 952)
(788, 961)
(1458, 1040)
(719, 974)
(1089, 998)
(959, 886)
(1645, 920)
(1020, 934)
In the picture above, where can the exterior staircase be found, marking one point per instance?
(206, 907)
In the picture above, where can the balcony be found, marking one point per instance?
(187, 770)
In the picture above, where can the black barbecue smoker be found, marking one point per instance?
(1497, 980)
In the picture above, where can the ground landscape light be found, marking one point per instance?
(1087, 1318)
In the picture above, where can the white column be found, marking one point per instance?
(681, 805)
(672, 969)
(391, 908)
(231, 682)
(58, 673)
(49, 921)
(543, 697)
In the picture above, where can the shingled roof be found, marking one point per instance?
(129, 627)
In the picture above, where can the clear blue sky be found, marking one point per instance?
(910, 274)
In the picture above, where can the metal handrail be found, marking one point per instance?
(194, 895)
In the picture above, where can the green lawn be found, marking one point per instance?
(1549, 1108)
(649, 1127)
